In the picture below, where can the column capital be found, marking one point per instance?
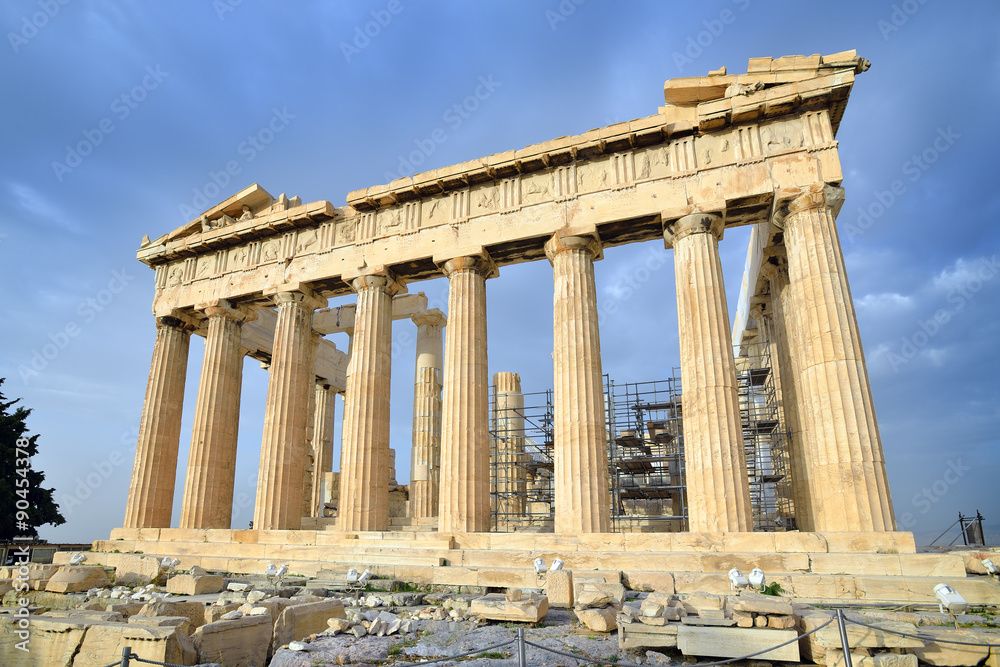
(480, 263)
(433, 317)
(382, 279)
(225, 309)
(295, 292)
(562, 242)
(790, 201)
(694, 223)
(169, 321)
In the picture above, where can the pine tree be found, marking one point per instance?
(16, 450)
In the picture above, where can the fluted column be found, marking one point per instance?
(211, 472)
(364, 460)
(290, 383)
(781, 332)
(425, 459)
(714, 458)
(151, 492)
(510, 480)
(464, 502)
(326, 402)
(847, 477)
(582, 502)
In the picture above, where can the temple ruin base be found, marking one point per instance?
(879, 567)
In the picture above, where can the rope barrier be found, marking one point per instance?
(464, 655)
(924, 638)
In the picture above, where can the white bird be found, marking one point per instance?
(76, 559)
(282, 571)
(737, 580)
(539, 566)
(757, 578)
(272, 570)
(557, 564)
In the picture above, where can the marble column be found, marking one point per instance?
(364, 460)
(426, 455)
(290, 383)
(211, 472)
(847, 478)
(151, 492)
(780, 330)
(715, 461)
(464, 501)
(510, 479)
(582, 501)
(323, 424)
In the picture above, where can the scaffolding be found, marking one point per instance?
(646, 456)
(521, 464)
(764, 442)
(645, 445)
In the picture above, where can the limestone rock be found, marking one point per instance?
(495, 607)
(744, 619)
(136, 570)
(53, 642)
(180, 622)
(760, 604)
(302, 620)
(337, 625)
(77, 578)
(559, 588)
(195, 584)
(598, 620)
(244, 641)
(231, 616)
(238, 587)
(254, 597)
(698, 603)
(781, 622)
(657, 659)
(164, 644)
(593, 599)
(954, 655)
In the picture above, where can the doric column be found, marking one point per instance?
(326, 402)
(290, 383)
(464, 502)
(582, 502)
(364, 460)
(425, 459)
(780, 332)
(510, 479)
(211, 472)
(151, 493)
(715, 462)
(847, 477)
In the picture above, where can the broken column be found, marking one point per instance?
(323, 424)
(211, 472)
(364, 479)
(290, 383)
(717, 486)
(464, 502)
(847, 477)
(151, 493)
(510, 480)
(582, 501)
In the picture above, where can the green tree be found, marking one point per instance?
(16, 450)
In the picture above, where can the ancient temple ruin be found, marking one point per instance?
(253, 275)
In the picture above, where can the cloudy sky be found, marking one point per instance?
(119, 117)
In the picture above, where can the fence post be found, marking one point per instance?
(521, 652)
(843, 638)
(126, 653)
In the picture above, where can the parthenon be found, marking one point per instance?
(254, 273)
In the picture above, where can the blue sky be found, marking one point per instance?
(119, 118)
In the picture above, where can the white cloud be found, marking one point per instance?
(884, 301)
(41, 209)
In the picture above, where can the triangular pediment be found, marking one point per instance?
(256, 199)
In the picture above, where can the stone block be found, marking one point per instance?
(194, 612)
(495, 607)
(87, 615)
(735, 642)
(593, 599)
(781, 622)
(215, 612)
(77, 578)
(53, 643)
(815, 646)
(182, 623)
(195, 584)
(598, 620)
(136, 570)
(660, 582)
(105, 642)
(240, 643)
(696, 603)
(559, 588)
(760, 604)
(616, 591)
(637, 635)
(301, 620)
(955, 655)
